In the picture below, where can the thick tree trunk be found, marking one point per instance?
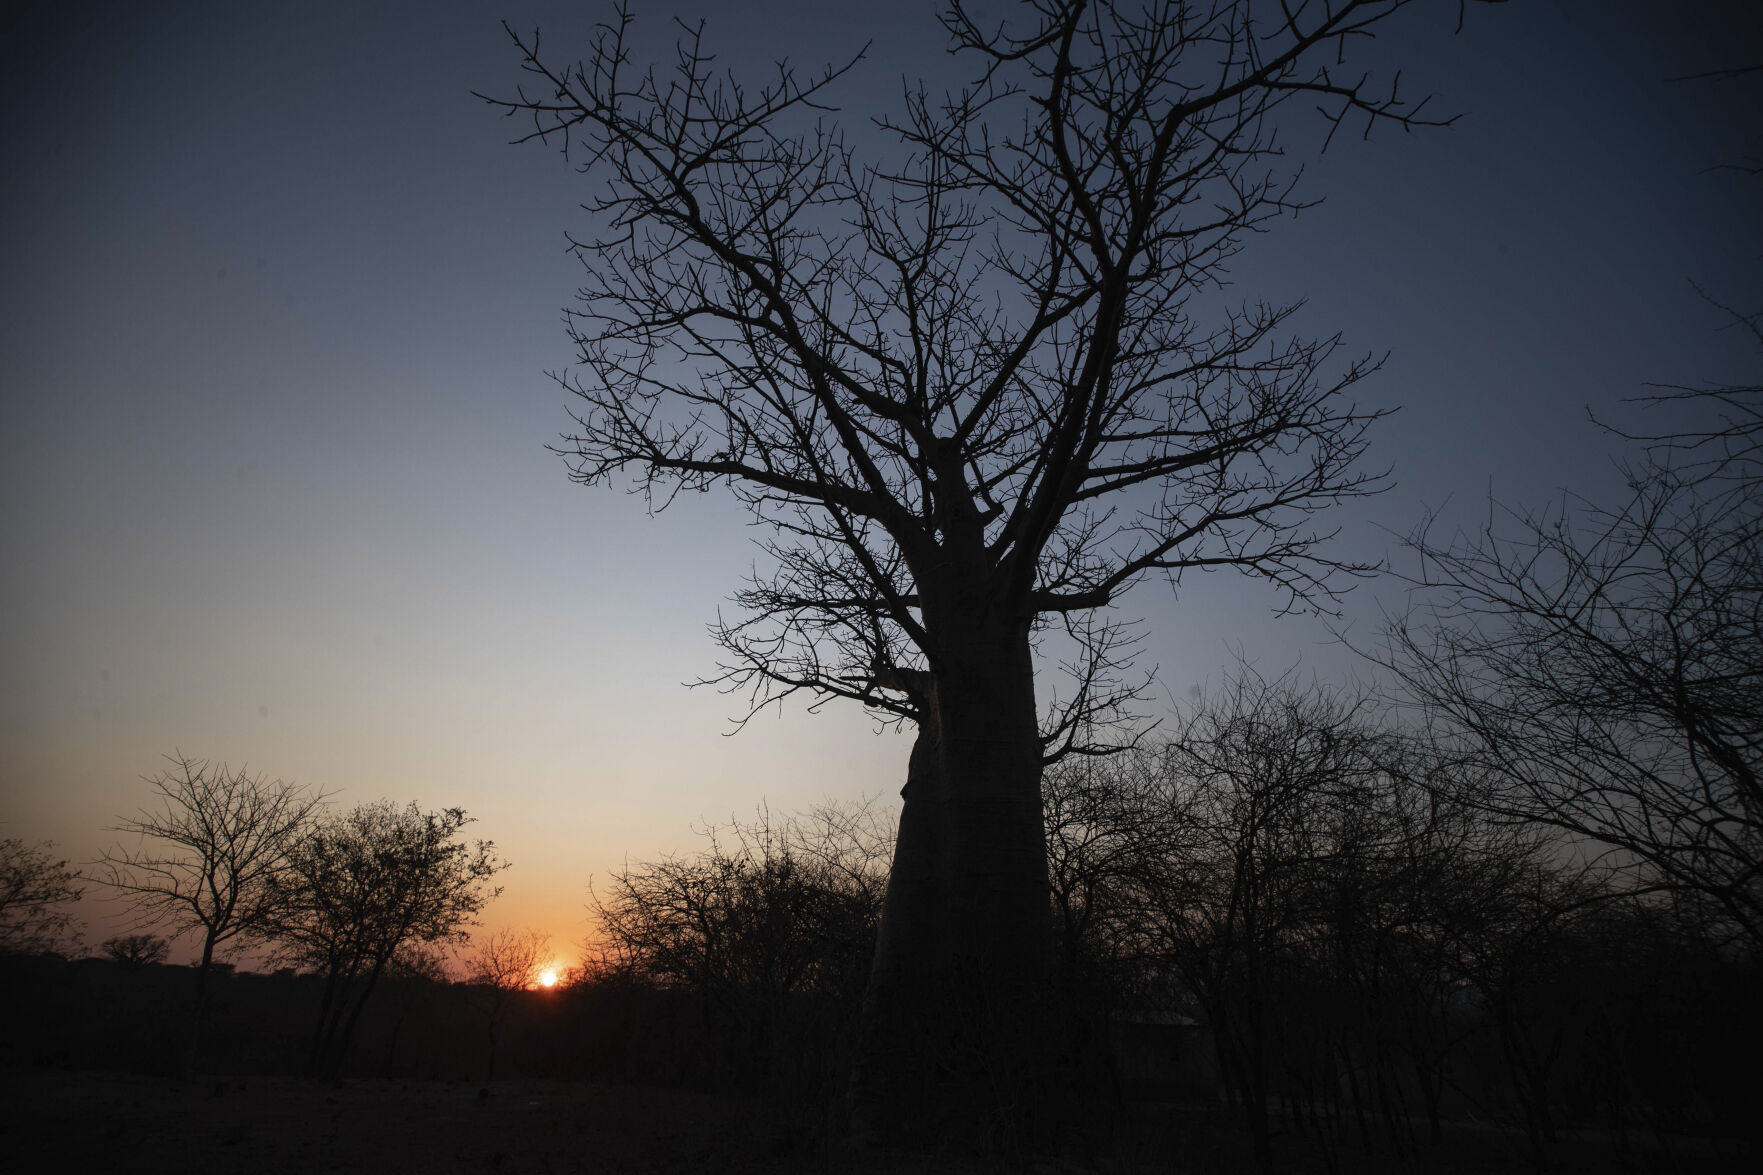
(957, 1017)
(339, 1049)
(321, 1032)
(192, 1057)
(890, 1084)
(999, 915)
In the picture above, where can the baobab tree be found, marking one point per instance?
(977, 383)
(137, 950)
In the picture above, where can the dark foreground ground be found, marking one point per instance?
(71, 1121)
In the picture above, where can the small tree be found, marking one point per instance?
(503, 965)
(766, 907)
(1265, 779)
(33, 887)
(136, 950)
(769, 919)
(363, 884)
(209, 856)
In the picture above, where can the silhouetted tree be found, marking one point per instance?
(1270, 783)
(500, 967)
(769, 918)
(972, 387)
(209, 857)
(413, 974)
(363, 884)
(1518, 962)
(1607, 664)
(136, 950)
(1108, 825)
(769, 906)
(1318, 886)
(1419, 874)
(33, 889)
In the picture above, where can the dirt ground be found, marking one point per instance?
(53, 1121)
(58, 1121)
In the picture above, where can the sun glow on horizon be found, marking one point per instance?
(547, 978)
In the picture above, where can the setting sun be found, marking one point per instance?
(547, 979)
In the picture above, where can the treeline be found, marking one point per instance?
(96, 1013)
(1298, 903)
(350, 898)
(1372, 948)
(742, 965)
(1291, 901)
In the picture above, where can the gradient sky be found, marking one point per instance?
(279, 300)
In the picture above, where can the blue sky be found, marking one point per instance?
(279, 300)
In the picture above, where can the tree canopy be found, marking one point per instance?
(34, 889)
(362, 885)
